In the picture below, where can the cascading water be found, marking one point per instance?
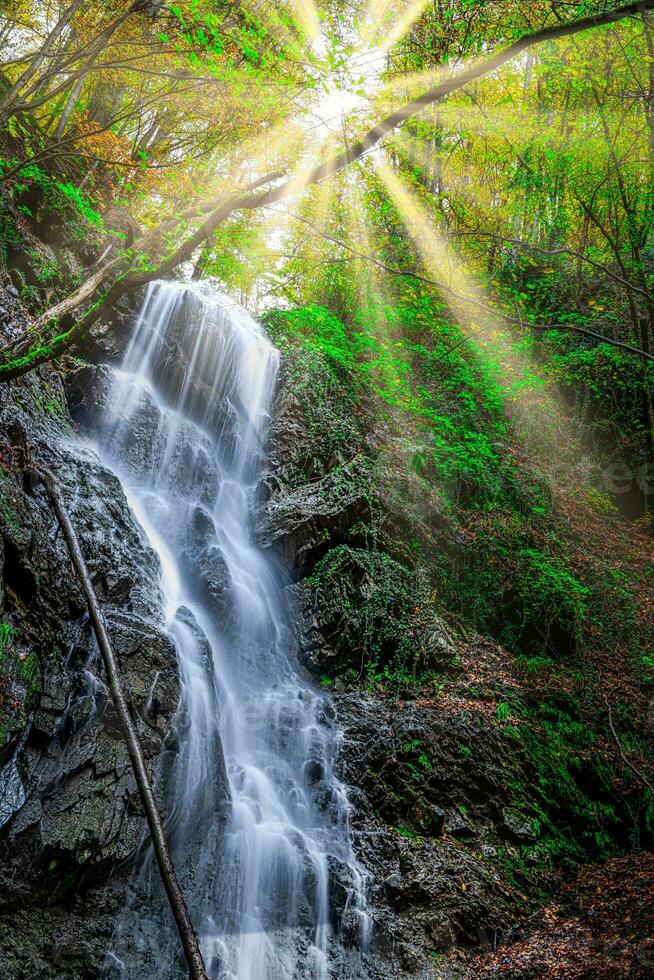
(258, 821)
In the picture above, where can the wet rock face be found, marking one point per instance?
(418, 772)
(316, 490)
(304, 523)
(429, 784)
(96, 407)
(71, 813)
(108, 338)
(361, 612)
(205, 565)
(13, 321)
(421, 814)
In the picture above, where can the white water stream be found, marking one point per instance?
(257, 819)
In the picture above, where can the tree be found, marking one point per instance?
(160, 251)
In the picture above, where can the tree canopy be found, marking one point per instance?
(492, 160)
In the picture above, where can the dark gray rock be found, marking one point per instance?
(204, 564)
(457, 826)
(361, 603)
(11, 330)
(427, 890)
(303, 524)
(516, 827)
(78, 816)
(108, 337)
(360, 611)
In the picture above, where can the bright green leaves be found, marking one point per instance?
(79, 200)
(321, 331)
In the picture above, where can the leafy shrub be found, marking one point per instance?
(42, 197)
(553, 599)
(378, 608)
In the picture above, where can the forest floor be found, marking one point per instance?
(601, 926)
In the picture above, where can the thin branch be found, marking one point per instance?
(443, 287)
(155, 824)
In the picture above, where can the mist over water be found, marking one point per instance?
(257, 820)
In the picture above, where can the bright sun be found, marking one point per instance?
(337, 104)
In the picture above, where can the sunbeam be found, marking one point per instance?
(306, 14)
(535, 413)
(376, 10)
(404, 24)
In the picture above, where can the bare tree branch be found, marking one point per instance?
(178, 906)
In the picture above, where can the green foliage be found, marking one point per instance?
(570, 785)
(377, 604)
(6, 635)
(551, 595)
(45, 267)
(647, 661)
(29, 675)
(20, 669)
(50, 199)
(9, 235)
(393, 376)
(319, 330)
(512, 578)
(532, 665)
(408, 833)
(503, 711)
(79, 201)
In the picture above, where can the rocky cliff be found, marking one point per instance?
(464, 802)
(473, 784)
(71, 817)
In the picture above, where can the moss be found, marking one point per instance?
(379, 604)
(7, 705)
(415, 758)
(45, 266)
(29, 675)
(552, 598)
(8, 514)
(16, 671)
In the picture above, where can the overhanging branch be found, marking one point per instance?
(124, 274)
(473, 301)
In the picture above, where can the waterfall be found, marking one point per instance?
(257, 819)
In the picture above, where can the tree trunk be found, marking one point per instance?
(70, 106)
(10, 99)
